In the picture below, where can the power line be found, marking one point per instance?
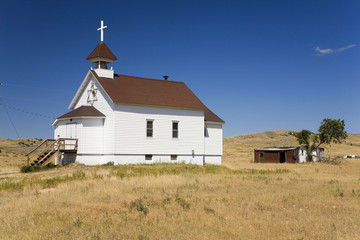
(28, 99)
(25, 111)
(2, 103)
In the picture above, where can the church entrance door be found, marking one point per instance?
(70, 133)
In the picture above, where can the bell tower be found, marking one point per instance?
(102, 58)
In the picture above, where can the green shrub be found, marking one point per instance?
(139, 206)
(50, 165)
(182, 202)
(26, 169)
(108, 164)
(78, 222)
(209, 210)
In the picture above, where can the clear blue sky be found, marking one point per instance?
(260, 65)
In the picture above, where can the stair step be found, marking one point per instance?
(43, 158)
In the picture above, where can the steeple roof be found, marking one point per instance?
(101, 51)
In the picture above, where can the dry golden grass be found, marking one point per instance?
(12, 152)
(322, 204)
(258, 201)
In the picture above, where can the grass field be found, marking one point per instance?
(240, 200)
(12, 152)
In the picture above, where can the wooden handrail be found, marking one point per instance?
(62, 143)
(49, 145)
(34, 149)
(42, 143)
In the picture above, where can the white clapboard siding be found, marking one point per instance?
(104, 105)
(213, 140)
(130, 131)
(91, 136)
(121, 136)
(60, 130)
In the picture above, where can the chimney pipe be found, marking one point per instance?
(165, 77)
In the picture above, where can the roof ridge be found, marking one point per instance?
(178, 95)
(153, 79)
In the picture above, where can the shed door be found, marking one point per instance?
(70, 133)
(282, 157)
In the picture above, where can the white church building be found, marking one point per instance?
(130, 120)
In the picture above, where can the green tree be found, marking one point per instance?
(330, 131)
(303, 137)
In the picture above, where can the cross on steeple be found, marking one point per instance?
(102, 30)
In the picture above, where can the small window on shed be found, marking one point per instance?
(173, 157)
(148, 157)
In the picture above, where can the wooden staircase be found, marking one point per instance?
(49, 151)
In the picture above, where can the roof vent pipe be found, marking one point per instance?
(165, 77)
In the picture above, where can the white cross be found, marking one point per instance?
(102, 30)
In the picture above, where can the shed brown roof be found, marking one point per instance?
(102, 51)
(83, 111)
(145, 91)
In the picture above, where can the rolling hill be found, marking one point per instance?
(238, 150)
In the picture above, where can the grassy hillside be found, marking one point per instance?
(239, 150)
(12, 152)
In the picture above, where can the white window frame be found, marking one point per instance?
(152, 128)
(175, 130)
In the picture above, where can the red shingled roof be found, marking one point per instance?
(210, 116)
(145, 91)
(102, 51)
(137, 90)
(83, 111)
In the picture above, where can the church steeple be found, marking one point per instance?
(102, 58)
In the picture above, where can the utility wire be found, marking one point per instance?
(28, 99)
(24, 111)
(12, 123)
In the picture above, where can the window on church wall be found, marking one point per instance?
(148, 157)
(175, 129)
(149, 128)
